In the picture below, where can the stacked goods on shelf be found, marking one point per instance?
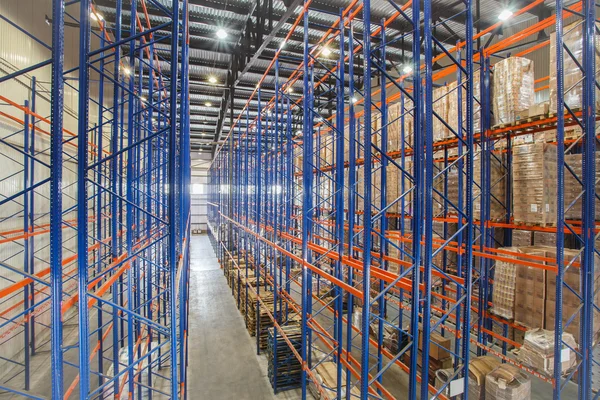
(394, 186)
(503, 295)
(522, 238)
(571, 303)
(530, 291)
(573, 187)
(513, 89)
(534, 184)
(516, 335)
(573, 76)
(439, 354)
(539, 347)
(285, 372)
(507, 382)
(497, 195)
(479, 368)
(326, 374)
(441, 107)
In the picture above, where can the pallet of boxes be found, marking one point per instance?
(439, 354)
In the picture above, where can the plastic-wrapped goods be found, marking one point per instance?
(394, 187)
(573, 89)
(497, 186)
(534, 184)
(507, 382)
(513, 88)
(327, 147)
(441, 106)
(503, 294)
(409, 128)
(573, 188)
(538, 351)
(570, 301)
(530, 290)
(479, 368)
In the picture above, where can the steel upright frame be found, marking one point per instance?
(337, 243)
(128, 296)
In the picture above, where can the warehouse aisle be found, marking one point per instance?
(223, 362)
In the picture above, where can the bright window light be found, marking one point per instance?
(221, 33)
(504, 15)
(197, 188)
(326, 52)
(96, 16)
(407, 69)
(208, 104)
(212, 79)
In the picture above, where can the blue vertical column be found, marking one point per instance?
(307, 177)
(417, 221)
(257, 255)
(586, 338)
(82, 195)
(368, 222)
(56, 162)
(172, 201)
(560, 202)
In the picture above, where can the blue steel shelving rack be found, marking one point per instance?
(339, 234)
(128, 297)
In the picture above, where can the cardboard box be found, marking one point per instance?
(438, 345)
(513, 89)
(539, 109)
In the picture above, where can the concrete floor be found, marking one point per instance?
(222, 361)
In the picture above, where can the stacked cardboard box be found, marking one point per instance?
(538, 351)
(573, 188)
(571, 302)
(530, 291)
(513, 88)
(441, 107)
(507, 382)
(534, 184)
(497, 186)
(573, 89)
(479, 368)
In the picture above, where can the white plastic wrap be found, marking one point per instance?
(513, 88)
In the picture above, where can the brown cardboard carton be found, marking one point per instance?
(513, 88)
(438, 345)
(538, 109)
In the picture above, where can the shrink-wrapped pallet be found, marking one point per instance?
(497, 188)
(503, 293)
(507, 382)
(573, 77)
(571, 301)
(573, 187)
(441, 107)
(534, 184)
(513, 88)
(530, 290)
(394, 187)
(539, 347)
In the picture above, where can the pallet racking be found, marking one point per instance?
(113, 185)
(284, 196)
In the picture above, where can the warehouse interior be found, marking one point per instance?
(299, 199)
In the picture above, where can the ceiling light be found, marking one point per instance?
(127, 71)
(212, 79)
(142, 98)
(326, 51)
(282, 45)
(221, 33)
(407, 69)
(504, 15)
(354, 99)
(290, 90)
(208, 104)
(96, 16)
(298, 132)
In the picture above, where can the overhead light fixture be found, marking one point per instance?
(221, 33)
(354, 99)
(326, 52)
(290, 90)
(282, 45)
(96, 16)
(298, 132)
(208, 104)
(142, 98)
(505, 14)
(127, 71)
(407, 69)
(212, 79)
